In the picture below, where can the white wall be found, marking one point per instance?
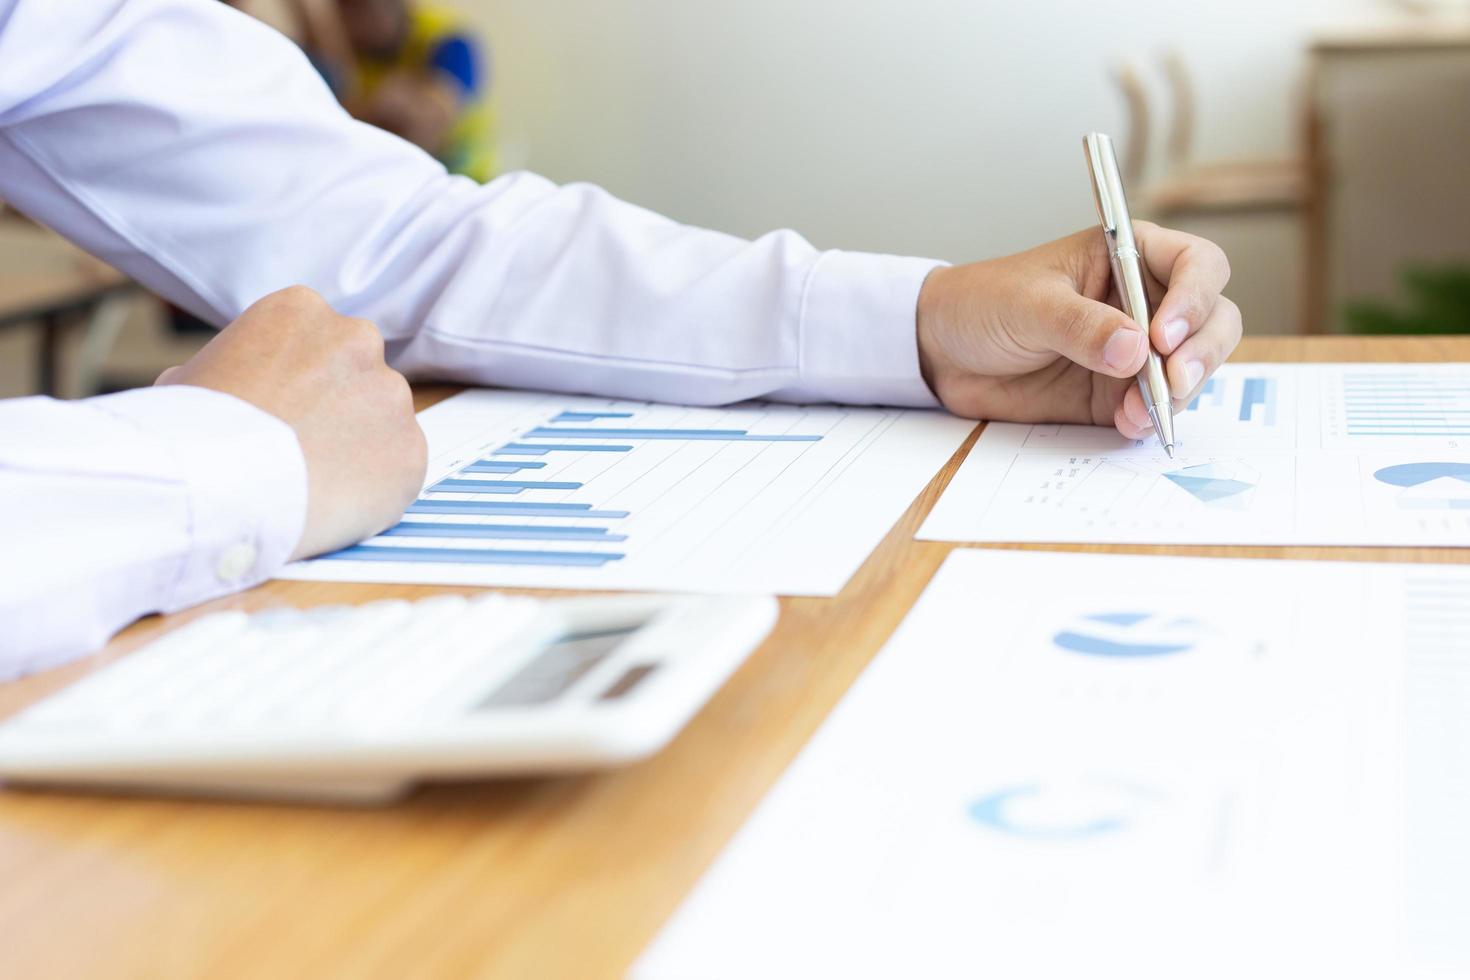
(936, 127)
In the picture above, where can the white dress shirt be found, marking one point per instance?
(196, 150)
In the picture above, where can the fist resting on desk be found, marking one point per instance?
(323, 374)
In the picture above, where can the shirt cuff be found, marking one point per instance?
(859, 329)
(245, 481)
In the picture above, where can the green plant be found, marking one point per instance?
(1438, 302)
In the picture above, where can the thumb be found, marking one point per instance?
(1100, 337)
(168, 375)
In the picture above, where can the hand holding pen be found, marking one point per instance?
(1040, 336)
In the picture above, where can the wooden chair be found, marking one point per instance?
(1254, 208)
(1188, 187)
(1134, 163)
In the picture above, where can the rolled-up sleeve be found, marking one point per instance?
(123, 505)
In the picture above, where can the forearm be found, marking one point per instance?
(516, 282)
(115, 507)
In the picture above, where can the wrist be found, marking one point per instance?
(933, 311)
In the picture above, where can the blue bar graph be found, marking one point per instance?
(725, 435)
(497, 466)
(473, 556)
(1211, 387)
(1253, 395)
(524, 449)
(1407, 405)
(534, 532)
(590, 416)
(500, 486)
(510, 508)
(416, 539)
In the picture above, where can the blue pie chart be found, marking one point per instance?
(1061, 810)
(1129, 634)
(1415, 474)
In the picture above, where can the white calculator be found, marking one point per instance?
(357, 703)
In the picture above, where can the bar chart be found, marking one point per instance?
(1240, 407)
(532, 489)
(1427, 405)
(1253, 392)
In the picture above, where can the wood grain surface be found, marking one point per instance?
(540, 878)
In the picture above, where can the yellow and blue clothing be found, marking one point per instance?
(438, 41)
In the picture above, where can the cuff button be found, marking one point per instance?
(235, 562)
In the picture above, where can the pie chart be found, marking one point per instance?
(1130, 633)
(1061, 810)
(1430, 485)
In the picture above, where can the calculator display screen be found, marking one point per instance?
(555, 669)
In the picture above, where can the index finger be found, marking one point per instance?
(1194, 271)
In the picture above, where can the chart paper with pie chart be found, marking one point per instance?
(1140, 766)
(1346, 454)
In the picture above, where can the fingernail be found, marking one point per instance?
(1175, 331)
(1121, 348)
(1193, 372)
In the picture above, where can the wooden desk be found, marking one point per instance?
(565, 877)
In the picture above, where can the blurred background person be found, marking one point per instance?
(415, 69)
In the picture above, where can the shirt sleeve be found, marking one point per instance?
(115, 507)
(228, 171)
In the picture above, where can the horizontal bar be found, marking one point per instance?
(497, 466)
(510, 508)
(548, 532)
(473, 556)
(522, 449)
(1456, 384)
(1406, 430)
(1418, 411)
(728, 435)
(501, 486)
(590, 416)
(445, 486)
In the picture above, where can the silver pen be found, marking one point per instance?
(1117, 226)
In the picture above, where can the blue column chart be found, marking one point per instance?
(1247, 408)
(541, 490)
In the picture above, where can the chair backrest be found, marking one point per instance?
(1129, 81)
(1179, 145)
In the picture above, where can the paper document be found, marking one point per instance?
(1272, 454)
(1120, 766)
(534, 489)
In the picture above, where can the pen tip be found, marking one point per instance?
(1169, 448)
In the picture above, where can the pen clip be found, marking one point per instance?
(1107, 188)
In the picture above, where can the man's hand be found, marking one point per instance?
(324, 375)
(1039, 337)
